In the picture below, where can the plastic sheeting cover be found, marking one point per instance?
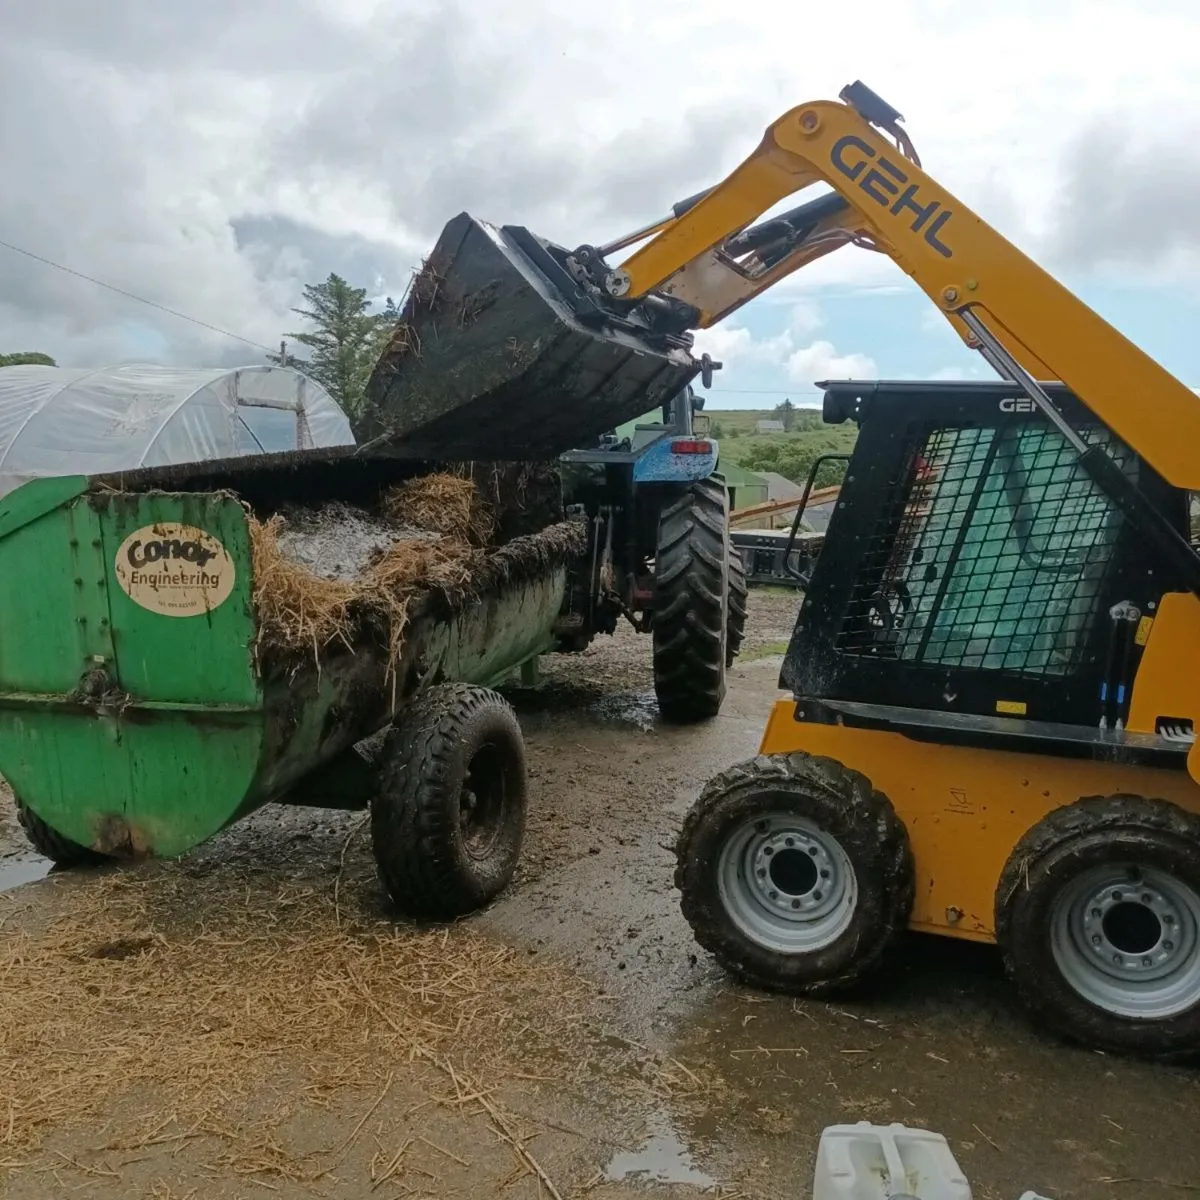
(80, 421)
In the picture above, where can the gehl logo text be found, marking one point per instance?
(888, 186)
(141, 554)
(1017, 404)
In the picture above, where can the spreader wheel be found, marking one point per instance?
(49, 843)
(448, 820)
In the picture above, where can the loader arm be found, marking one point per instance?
(997, 298)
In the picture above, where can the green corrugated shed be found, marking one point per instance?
(745, 487)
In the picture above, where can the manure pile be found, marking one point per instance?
(318, 572)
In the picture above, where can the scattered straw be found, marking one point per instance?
(297, 609)
(395, 578)
(301, 611)
(445, 503)
(240, 990)
(444, 530)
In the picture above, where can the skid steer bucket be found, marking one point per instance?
(501, 354)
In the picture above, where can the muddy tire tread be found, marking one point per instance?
(691, 585)
(1052, 1005)
(739, 595)
(51, 844)
(414, 819)
(849, 803)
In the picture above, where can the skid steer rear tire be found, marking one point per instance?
(795, 874)
(49, 843)
(1098, 919)
(448, 820)
(691, 595)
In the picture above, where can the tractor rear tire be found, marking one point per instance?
(735, 613)
(49, 843)
(691, 594)
(1098, 919)
(795, 874)
(448, 820)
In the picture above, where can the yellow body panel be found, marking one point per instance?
(1170, 668)
(965, 809)
(1165, 685)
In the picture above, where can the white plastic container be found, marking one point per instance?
(886, 1162)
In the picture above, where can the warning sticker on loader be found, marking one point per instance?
(176, 570)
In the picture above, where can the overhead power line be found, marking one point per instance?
(237, 337)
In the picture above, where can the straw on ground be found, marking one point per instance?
(166, 994)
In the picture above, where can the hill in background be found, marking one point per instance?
(790, 453)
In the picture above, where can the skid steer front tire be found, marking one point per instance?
(448, 819)
(795, 874)
(691, 598)
(1098, 919)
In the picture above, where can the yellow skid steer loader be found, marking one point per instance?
(995, 671)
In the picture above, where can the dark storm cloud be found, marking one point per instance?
(1126, 200)
(428, 119)
(111, 170)
(169, 35)
(214, 158)
(280, 245)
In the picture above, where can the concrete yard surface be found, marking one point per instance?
(249, 1021)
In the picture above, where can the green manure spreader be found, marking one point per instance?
(180, 646)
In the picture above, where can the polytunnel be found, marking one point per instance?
(83, 421)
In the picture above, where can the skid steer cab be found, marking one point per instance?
(990, 734)
(661, 554)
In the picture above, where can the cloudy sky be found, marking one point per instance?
(213, 157)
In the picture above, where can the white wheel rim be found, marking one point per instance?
(1127, 940)
(786, 884)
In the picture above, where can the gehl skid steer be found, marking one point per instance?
(995, 671)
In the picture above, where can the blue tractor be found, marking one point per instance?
(507, 349)
(662, 556)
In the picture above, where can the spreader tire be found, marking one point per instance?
(1098, 919)
(735, 618)
(691, 591)
(795, 874)
(52, 845)
(448, 820)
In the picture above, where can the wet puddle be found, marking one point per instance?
(639, 709)
(663, 1159)
(15, 872)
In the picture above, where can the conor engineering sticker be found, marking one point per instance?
(176, 570)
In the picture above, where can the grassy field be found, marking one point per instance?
(791, 454)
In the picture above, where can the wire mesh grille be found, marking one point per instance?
(993, 554)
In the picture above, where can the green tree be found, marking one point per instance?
(786, 412)
(792, 455)
(345, 341)
(27, 358)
